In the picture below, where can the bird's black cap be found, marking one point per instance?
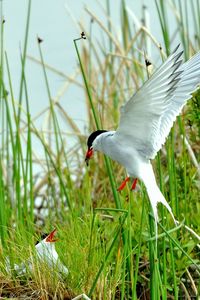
(93, 136)
(43, 236)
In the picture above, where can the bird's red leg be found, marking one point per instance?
(134, 184)
(122, 186)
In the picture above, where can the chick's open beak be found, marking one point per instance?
(50, 238)
(88, 156)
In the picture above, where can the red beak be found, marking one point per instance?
(88, 156)
(50, 238)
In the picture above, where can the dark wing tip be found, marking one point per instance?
(174, 51)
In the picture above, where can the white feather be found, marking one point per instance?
(149, 115)
(47, 252)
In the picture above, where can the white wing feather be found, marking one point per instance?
(146, 119)
(188, 83)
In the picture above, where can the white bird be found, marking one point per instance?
(46, 252)
(145, 122)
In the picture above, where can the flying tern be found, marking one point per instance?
(145, 122)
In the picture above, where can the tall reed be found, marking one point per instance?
(106, 239)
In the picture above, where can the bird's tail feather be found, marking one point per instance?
(155, 197)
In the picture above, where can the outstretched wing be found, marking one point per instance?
(148, 116)
(188, 83)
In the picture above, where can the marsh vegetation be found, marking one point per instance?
(106, 238)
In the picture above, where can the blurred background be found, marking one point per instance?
(58, 23)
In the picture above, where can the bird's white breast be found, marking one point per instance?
(121, 151)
